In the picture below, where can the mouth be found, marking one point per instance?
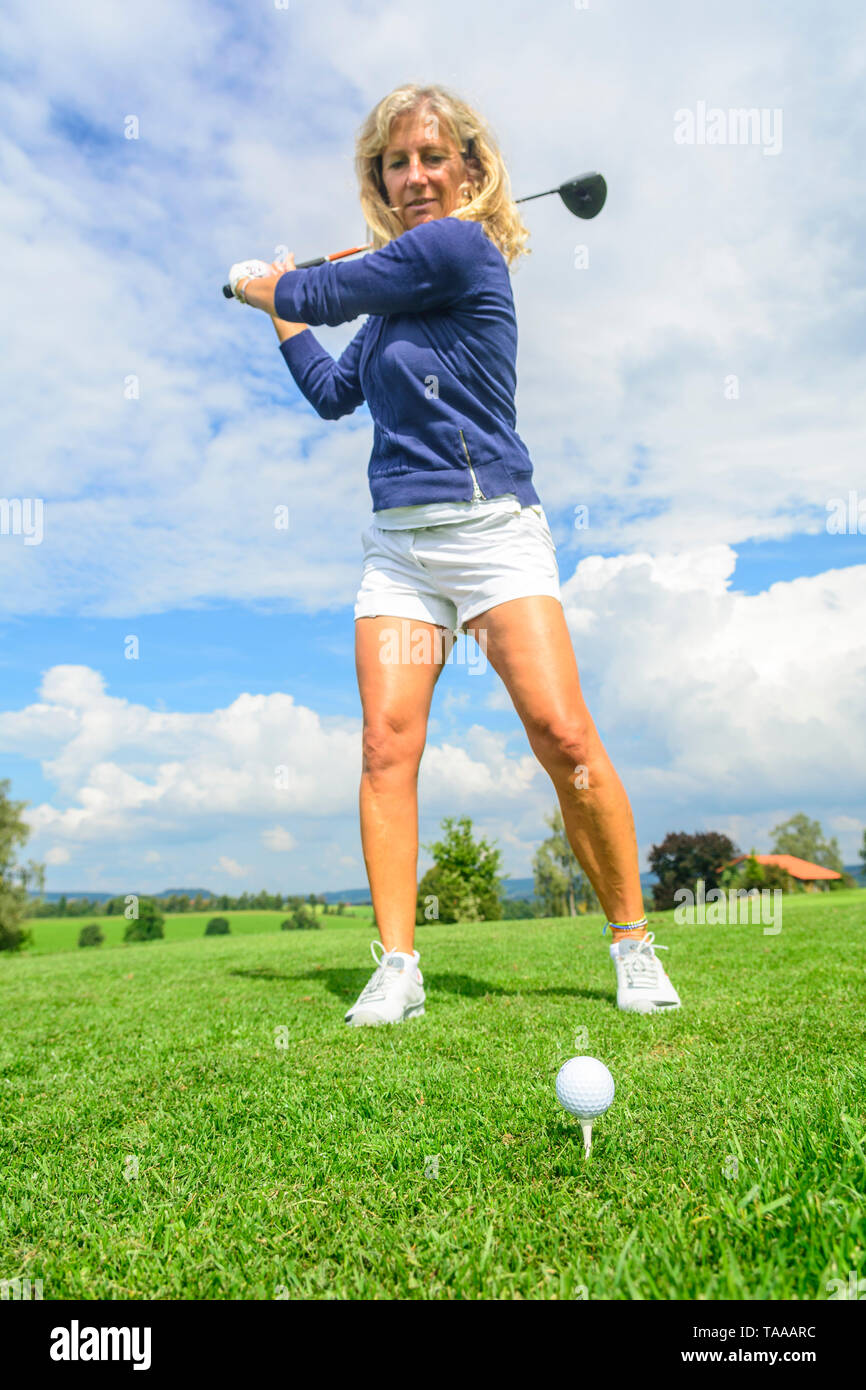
(421, 203)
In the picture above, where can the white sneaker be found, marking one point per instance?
(642, 983)
(394, 993)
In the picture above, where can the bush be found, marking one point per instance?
(149, 924)
(453, 900)
(836, 885)
(217, 926)
(302, 919)
(91, 935)
(750, 875)
(13, 937)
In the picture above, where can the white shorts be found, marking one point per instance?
(448, 574)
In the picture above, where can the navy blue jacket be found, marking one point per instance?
(435, 361)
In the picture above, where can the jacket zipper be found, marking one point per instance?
(477, 494)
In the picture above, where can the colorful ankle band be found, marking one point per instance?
(624, 926)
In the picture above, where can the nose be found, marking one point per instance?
(415, 169)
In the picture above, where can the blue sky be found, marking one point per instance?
(698, 387)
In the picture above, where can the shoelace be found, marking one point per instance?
(377, 988)
(642, 968)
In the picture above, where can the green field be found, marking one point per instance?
(158, 1143)
(52, 934)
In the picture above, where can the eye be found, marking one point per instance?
(429, 159)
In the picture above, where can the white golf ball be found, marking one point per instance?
(584, 1087)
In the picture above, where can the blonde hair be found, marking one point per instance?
(491, 203)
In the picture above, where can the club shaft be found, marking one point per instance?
(531, 196)
(353, 251)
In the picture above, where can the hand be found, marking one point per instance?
(242, 272)
(287, 263)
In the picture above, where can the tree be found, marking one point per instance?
(561, 887)
(91, 935)
(443, 896)
(302, 918)
(217, 926)
(681, 859)
(518, 910)
(464, 878)
(148, 925)
(16, 879)
(804, 838)
(750, 874)
(863, 855)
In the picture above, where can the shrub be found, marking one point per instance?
(148, 925)
(217, 926)
(13, 937)
(91, 935)
(750, 874)
(302, 919)
(453, 898)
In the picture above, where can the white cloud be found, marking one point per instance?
(225, 865)
(57, 855)
(279, 839)
(720, 709)
(730, 701)
(621, 369)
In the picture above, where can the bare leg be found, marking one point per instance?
(529, 647)
(395, 698)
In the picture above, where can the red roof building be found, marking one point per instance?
(797, 868)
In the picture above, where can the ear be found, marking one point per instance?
(473, 167)
(473, 177)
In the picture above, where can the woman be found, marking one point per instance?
(459, 539)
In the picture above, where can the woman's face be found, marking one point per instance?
(423, 169)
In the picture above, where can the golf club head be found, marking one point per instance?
(584, 196)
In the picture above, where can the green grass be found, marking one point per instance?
(731, 1164)
(52, 934)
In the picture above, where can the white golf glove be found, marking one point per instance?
(246, 270)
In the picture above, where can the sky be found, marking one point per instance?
(691, 385)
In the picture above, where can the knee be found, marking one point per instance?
(390, 743)
(565, 745)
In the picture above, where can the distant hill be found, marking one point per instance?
(511, 888)
(98, 897)
(87, 893)
(186, 893)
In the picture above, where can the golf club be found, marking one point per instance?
(584, 197)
